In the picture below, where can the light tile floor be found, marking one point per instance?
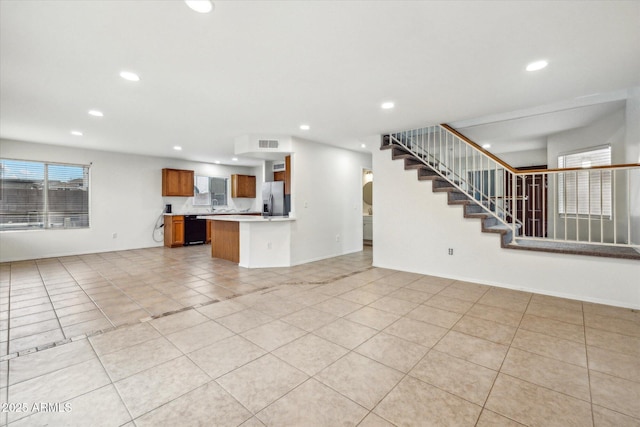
(87, 340)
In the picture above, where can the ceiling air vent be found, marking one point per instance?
(268, 143)
(278, 167)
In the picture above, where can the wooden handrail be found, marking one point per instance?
(479, 148)
(530, 171)
(620, 166)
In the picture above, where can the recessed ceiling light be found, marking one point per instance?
(217, 162)
(200, 6)
(363, 145)
(96, 113)
(387, 105)
(128, 75)
(235, 159)
(177, 148)
(537, 65)
(76, 133)
(485, 146)
(305, 127)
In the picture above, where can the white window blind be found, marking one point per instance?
(585, 192)
(43, 195)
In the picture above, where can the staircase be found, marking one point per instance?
(426, 152)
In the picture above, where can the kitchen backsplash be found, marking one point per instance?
(185, 205)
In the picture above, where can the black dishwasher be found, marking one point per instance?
(195, 230)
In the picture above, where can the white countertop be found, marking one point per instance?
(245, 218)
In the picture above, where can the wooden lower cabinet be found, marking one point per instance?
(173, 231)
(225, 240)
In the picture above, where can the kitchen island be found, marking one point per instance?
(251, 241)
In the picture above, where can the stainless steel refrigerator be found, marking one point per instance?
(273, 198)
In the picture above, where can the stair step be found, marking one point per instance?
(386, 142)
(498, 228)
(399, 154)
(427, 173)
(458, 196)
(442, 185)
(412, 163)
(575, 248)
(491, 221)
(472, 208)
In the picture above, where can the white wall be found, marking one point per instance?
(414, 227)
(632, 155)
(125, 199)
(326, 200)
(520, 159)
(610, 130)
(607, 130)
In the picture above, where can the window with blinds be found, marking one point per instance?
(585, 192)
(43, 195)
(210, 191)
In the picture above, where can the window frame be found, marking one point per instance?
(577, 207)
(210, 193)
(46, 212)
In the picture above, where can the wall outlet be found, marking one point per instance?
(269, 246)
(337, 237)
(306, 204)
(450, 251)
(114, 235)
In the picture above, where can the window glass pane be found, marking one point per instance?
(68, 196)
(219, 191)
(21, 194)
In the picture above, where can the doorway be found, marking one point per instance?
(531, 202)
(367, 207)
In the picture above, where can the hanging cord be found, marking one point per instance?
(158, 226)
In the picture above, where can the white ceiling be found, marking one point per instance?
(265, 67)
(528, 130)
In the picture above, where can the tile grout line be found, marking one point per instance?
(88, 296)
(586, 354)
(146, 319)
(44, 284)
(4, 417)
(8, 319)
(484, 405)
(407, 374)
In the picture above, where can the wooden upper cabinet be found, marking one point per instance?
(243, 186)
(287, 175)
(278, 176)
(177, 182)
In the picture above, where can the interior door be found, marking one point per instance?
(530, 202)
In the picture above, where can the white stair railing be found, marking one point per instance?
(599, 205)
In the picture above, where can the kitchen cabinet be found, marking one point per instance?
(279, 176)
(173, 230)
(177, 182)
(243, 186)
(287, 175)
(226, 240)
